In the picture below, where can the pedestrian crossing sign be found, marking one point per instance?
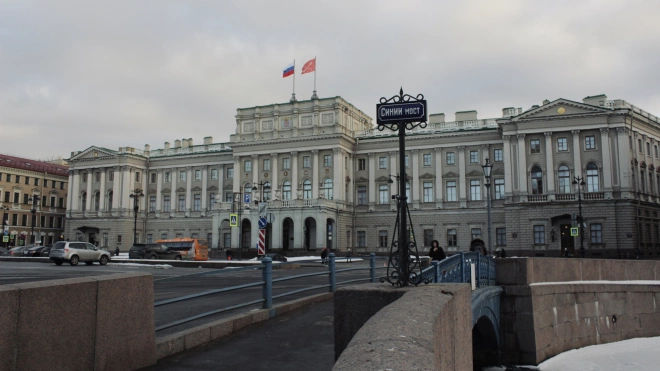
(233, 220)
(574, 232)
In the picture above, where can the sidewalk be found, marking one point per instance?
(299, 340)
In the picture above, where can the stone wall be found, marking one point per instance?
(90, 323)
(421, 328)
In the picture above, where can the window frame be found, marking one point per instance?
(450, 158)
(590, 143)
(247, 166)
(451, 187)
(452, 237)
(474, 157)
(539, 234)
(327, 160)
(534, 146)
(362, 195)
(498, 155)
(427, 159)
(383, 194)
(362, 164)
(427, 192)
(475, 190)
(382, 163)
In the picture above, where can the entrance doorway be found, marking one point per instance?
(287, 234)
(567, 242)
(310, 234)
(246, 230)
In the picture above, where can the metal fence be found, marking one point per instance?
(458, 269)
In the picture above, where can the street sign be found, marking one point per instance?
(233, 220)
(262, 222)
(270, 217)
(5, 238)
(574, 232)
(246, 198)
(262, 209)
(403, 112)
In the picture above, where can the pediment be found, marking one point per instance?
(382, 179)
(498, 172)
(475, 173)
(94, 152)
(427, 176)
(196, 189)
(166, 191)
(180, 189)
(212, 188)
(229, 187)
(450, 174)
(151, 190)
(348, 179)
(361, 180)
(560, 108)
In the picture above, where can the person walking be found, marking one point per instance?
(479, 246)
(436, 252)
(117, 251)
(348, 256)
(324, 256)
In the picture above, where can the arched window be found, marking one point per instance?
(109, 207)
(307, 189)
(286, 190)
(267, 191)
(84, 201)
(97, 201)
(537, 181)
(564, 179)
(247, 189)
(592, 177)
(327, 189)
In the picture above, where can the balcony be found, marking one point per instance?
(565, 197)
(537, 198)
(593, 196)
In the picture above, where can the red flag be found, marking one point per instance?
(309, 66)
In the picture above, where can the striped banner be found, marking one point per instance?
(261, 247)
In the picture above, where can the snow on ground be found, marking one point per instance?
(155, 266)
(312, 259)
(638, 282)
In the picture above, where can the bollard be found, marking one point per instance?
(331, 267)
(267, 276)
(436, 268)
(372, 265)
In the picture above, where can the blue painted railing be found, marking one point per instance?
(457, 269)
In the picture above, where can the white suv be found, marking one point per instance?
(74, 252)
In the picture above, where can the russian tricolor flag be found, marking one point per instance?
(288, 71)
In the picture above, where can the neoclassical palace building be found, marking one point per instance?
(328, 178)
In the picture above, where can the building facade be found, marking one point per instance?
(328, 178)
(33, 199)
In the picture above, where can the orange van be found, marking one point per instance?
(190, 248)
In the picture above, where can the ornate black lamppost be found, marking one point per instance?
(488, 167)
(34, 202)
(578, 182)
(4, 221)
(135, 195)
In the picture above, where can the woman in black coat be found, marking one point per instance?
(436, 252)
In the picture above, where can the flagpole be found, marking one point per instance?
(314, 96)
(293, 95)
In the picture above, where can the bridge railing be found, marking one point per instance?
(458, 269)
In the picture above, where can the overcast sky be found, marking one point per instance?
(129, 73)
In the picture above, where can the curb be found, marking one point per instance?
(174, 263)
(184, 340)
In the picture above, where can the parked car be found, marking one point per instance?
(18, 250)
(74, 252)
(153, 251)
(34, 251)
(276, 257)
(3, 251)
(46, 250)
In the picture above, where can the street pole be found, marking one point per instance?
(488, 167)
(4, 223)
(135, 195)
(579, 182)
(403, 215)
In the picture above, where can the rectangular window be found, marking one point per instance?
(362, 164)
(24, 220)
(214, 174)
(18, 180)
(8, 177)
(166, 204)
(152, 178)
(54, 184)
(45, 183)
(500, 236)
(596, 230)
(474, 157)
(452, 240)
(178, 235)
(182, 176)
(562, 144)
(286, 164)
(111, 176)
(382, 162)
(137, 176)
(428, 237)
(52, 200)
(639, 146)
(227, 240)
(539, 234)
(182, 203)
(497, 155)
(382, 238)
(590, 142)
(475, 190)
(51, 222)
(327, 160)
(307, 162)
(451, 160)
(476, 233)
(406, 161)
(36, 181)
(450, 187)
(648, 149)
(43, 200)
(229, 197)
(43, 221)
(383, 194)
(118, 238)
(27, 180)
(361, 239)
(426, 159)
(230, 172)
(428, 191)
(60, 202)
(14, 219)
(26, 198)
(535, 146)
(6, 196)
(150, 238)
(152, 204)
(362, 195)
(61, 185)
(197, 202)
(97, 178)
(16, 198)
(248, 166)
(267, 164)
(499, 189)
(209, 239)
(198, 175)
(168, 177)
(59, 225)
(656, 151)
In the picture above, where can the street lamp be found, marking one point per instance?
(488, 167)
(135, 195)
(34, 201)
(4, 221)
(578, 182)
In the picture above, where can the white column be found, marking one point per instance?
(372, 179)
(349, 197)
(522, 164)
(116, 188)
(439, 186)
(159, 190)
(188, 189)
(415, 184)
(220, 197)
(90, 179)
(102, 192)
(462, 182)
(393, 186)
(174, 203)
(143, 200)
(315, 173)
(549, 162)
(126, 188)
(237, 174)
(205, 184)
(508, 168)
(607, 160)
(255, 170)
(577, 163)
(294, 176)
(75, 190)
(336, 181)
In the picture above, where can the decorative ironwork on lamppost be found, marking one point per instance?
(135, 195)
(34, 201)
(400, 113)
(488, 167)
(578, 182)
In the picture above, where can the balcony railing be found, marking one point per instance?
(537, 198)
(594, 196)
(435, 128)
(565, 197)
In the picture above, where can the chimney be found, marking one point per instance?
(596, 100)
(466, 115)
(508, 112)
(546, 102)
(208, 140)
(190, 142)
(166, 146)
(147, 147)
(177, 143)
(519, 110)
(437, 118)
(184, 143)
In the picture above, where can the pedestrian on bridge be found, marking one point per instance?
(479, 246)
(436, 252)
(324, 256)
